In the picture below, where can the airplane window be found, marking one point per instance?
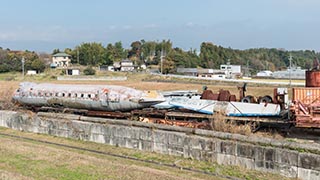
(63, 94)
(57, 94)
(89, 95)
(69, 95)
(82, 95)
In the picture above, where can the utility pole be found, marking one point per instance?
(161, 61)
(290, 61)
(22, 62)
(78, 55)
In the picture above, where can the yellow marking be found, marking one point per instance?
(152, 94)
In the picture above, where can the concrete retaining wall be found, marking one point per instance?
(286, 158)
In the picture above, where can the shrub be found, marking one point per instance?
(89, 71)
(63, 72)
(4, 68)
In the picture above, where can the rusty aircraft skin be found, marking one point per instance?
(90, 97)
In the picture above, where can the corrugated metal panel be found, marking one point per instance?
(306, 95)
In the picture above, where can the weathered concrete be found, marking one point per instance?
(286, 158)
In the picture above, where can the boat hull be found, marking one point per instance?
(238, 109)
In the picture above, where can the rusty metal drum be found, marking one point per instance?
(312, 78)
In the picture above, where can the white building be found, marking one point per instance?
(231, 71)
(31, 72)
(264, 74)
(293, 73)
(110, 68)
(61, 59)
(73, 72)
(126, 65)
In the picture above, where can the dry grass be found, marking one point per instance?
(219, 123)
(6, 90)
(23, 159)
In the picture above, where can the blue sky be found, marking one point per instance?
(43, 25)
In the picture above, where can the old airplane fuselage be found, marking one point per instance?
(90, 97)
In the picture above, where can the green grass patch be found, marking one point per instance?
(26, 165)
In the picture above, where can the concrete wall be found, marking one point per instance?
(286, 158)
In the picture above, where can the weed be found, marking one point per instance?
(219, 123)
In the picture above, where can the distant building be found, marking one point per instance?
(107, 68)
(188, 71)
(126, 65)
(231, 71)
(31, 72)
(103, 68)
(143, 67)
(199, 72)
(61, 60)
(110, 68)
(294, 73)
(116, 66)
(73, 71)
(264, 74)
(225, 71)
(211, 73)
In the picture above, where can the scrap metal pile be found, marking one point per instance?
(182, 108)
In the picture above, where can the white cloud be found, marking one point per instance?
(112, 27)
(150, 26)
(126, 27)
(4, 36)
(190, 24)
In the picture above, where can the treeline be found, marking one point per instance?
(210, 56)
(12, 60)
(163, 52)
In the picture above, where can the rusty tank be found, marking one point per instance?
(313, 78)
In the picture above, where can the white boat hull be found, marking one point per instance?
(239, 109)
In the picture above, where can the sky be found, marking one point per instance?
(44, 25)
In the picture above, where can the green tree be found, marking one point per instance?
(55, 51)
(91, 54)
(38, 65)
(114, 53)
(4, 68)
(209, 56)
(135, 52)
(148, 51)
(3, 54)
